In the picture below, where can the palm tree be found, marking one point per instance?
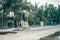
(58, 16)
(50, 12)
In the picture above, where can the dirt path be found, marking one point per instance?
(20, 35)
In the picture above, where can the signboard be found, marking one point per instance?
(42, 23)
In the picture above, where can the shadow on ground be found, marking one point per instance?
(4, 33)
(52, 37)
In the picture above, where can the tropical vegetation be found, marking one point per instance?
(33, 14)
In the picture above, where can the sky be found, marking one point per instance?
(42, 2)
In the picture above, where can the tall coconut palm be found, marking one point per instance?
(50, 12)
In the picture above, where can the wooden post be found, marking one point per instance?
(24, 27)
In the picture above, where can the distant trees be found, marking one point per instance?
(48, 13)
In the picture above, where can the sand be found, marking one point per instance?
(32, 34)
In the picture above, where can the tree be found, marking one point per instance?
(51, 13)
(58, 16)
(16, 6)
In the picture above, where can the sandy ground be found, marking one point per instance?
(32, 34)
(55, 36)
